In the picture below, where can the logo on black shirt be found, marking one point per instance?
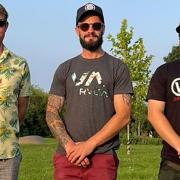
(175, 87)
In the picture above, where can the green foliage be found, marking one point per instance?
(35, 123)
(134, 55)
(173, 55)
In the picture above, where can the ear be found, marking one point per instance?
(103, 30)
(7, 25)
(77, 31)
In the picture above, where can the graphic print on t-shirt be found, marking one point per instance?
(175, 88)
(86, 81)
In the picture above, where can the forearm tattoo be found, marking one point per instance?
(127, 99)
(55, 123)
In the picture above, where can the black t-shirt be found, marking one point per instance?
(165, 86)
(88, 87)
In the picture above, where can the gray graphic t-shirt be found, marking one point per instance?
(89, 87)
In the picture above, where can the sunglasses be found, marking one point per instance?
(2, 23)
(85, 26)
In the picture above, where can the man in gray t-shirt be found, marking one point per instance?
(96, 91)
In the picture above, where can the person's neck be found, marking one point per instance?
(92, 54)
(1, 48)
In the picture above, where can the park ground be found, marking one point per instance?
(141, 164)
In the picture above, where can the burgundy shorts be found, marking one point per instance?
(103, 167)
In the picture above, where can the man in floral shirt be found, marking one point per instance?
(14, 96)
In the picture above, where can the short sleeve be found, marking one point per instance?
(157, 87)
(58, 84)
(122, 81)
(25, 85)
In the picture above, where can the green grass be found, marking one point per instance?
(37, 161)
(141, 164)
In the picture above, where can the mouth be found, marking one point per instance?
(90, 37)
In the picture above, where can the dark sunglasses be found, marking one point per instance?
(85, 26)
(2, 22)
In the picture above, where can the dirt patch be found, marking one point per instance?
(31, 140)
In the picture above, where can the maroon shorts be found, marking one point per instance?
(103, 167)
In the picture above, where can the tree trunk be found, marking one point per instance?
(139, 128)
(128, 139)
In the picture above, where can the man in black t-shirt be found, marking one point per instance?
(164, 114)
(96, 90)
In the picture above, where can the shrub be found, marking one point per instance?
(142, 140)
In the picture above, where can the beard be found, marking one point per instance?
(92, 45)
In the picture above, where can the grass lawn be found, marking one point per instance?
(141, 164)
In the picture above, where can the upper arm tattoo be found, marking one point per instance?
(127, 99)
(55, 123)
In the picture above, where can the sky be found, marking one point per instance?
(43, 31)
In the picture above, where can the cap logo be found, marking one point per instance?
(89, 7)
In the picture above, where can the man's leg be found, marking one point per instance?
(169, 171)
(9, 168)
(103, 166)
(64, 170)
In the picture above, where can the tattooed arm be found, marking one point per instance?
(122, 105)
(56, 125)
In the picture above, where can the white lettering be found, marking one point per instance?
(82, 91)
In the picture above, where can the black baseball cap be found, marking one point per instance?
(178, 29)
(89, 9)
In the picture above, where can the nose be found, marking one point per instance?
(90, 28)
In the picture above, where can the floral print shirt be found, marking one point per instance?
(14, 83)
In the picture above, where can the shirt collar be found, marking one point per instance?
(4, 54)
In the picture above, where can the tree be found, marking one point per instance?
(173, 55)
(34, 123)
(134, 55)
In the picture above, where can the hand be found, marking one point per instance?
(84, 163)
(178, 151)
(80, 152)
(69, 148)
(178, 148)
